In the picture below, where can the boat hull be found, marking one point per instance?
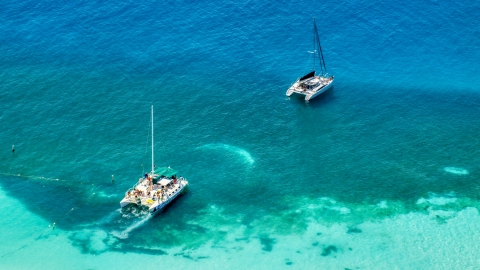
(323, 90)
(156, 208)
(308, 95)
(125, 202)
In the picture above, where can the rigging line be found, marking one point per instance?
(314, 50)
(315, 43)
(310, 58)
(319, 46)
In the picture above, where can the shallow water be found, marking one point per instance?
(381, 170)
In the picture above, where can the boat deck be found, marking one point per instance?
(154, 196)
(301, 87)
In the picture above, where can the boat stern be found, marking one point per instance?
(293, 89)
(126, 201)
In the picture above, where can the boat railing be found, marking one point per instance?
(127, 194)
(132, 188)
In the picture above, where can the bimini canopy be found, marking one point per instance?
(165, 171)
(165, 182)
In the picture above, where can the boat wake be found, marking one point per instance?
(133, 217)
(110, 217)
(124, 234)
(244, 154)
(102, 194)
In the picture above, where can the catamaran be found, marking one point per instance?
(156, 189)
(312, 85)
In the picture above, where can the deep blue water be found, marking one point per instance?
(78, 79)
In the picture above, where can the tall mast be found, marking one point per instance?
(317, 37)
(315, 48)
(153, 169)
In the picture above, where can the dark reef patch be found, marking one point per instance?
(267, 243)
(441, 220)
(146, 251)
(184, 255)
(246, 239)
(328, 250)
(83, 242)
(352, 230)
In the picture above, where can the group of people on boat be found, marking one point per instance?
(146, 188)
(321, 81)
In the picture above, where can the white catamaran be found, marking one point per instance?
(312, 85)
(156, 189)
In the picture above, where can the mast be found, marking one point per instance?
(317, 38)
(153, 169)
(315, 47)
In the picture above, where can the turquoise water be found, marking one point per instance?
(380, 171)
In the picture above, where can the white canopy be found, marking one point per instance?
(165, 182)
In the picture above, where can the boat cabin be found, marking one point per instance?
(310, 83)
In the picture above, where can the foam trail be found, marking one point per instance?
(105, 195)
(230, 148)
(124, 234)
(456, 170)
(111, 216)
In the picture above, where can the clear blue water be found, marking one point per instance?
(381, 170)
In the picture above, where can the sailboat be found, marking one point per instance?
(313, 84)
(156, 189)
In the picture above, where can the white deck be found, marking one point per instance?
(154, 197)
(304, 88)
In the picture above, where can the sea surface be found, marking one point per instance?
(380, 172)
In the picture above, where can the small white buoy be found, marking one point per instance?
(13, 148)
(113, 180)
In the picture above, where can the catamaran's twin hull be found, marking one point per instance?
(155, 206)
(152, 194)
(311, 85)
(295, 89)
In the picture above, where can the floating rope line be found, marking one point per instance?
(51, 226)
(45, 178)
(33, 177)
(28, 244)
